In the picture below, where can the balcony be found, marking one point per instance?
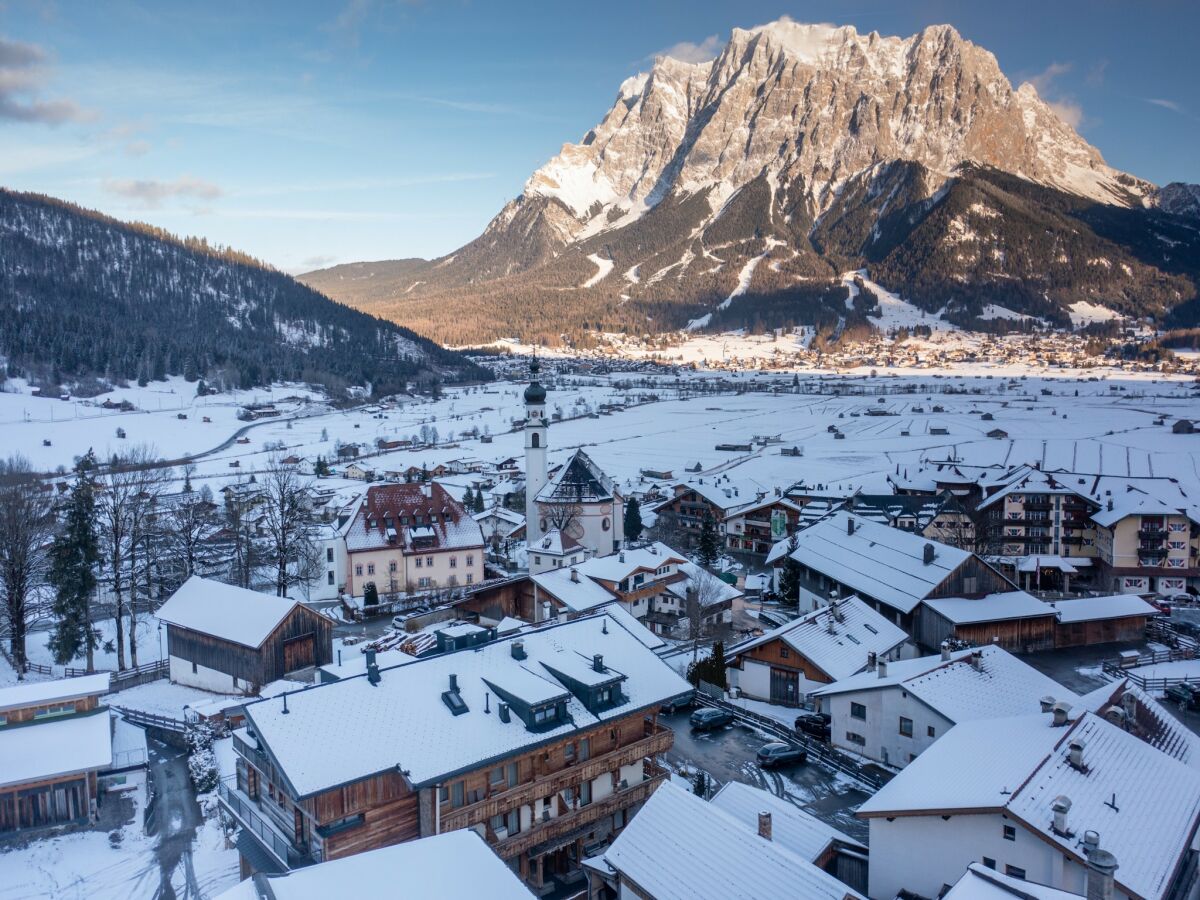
(1153, 533)
(659, 740)
(566, 823)
(265, 831)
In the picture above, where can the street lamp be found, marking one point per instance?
(160, 656)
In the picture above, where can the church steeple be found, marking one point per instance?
(535, 451)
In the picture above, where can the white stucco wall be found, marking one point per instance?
(881, 728)
(204, 678)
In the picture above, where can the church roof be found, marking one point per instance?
(579, 481)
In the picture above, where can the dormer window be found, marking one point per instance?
(544, 714)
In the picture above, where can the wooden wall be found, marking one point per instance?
(26, 713)
(987, 581)
(389, 811)
(772, 653)
(1105, 631)
(1015, 636)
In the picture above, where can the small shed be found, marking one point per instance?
(1101, 620)
(1184, 426)
(222, 638)
(998, 433)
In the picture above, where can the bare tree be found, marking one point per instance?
(562, 514)
(245, 546)
(704, 589)
(290, 532)
(144, 537)
(187, 530)
(26, 525)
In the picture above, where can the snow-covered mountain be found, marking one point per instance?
(747, 185)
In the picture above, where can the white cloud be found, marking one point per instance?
(23, 77)
(151, 193)
(686, 51)
(1165, 104)
(1061, 103)
(1069, 111)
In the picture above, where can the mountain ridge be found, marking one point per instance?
(774, 151)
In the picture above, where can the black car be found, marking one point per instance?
(683, 701)
(777, 753)
(707, 718)
(814, 724)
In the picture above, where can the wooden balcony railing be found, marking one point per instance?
(659, 740)
(584, 815)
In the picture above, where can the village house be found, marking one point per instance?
(555, 550)
(1039, 797)
(406, 538)
(756, 527)
(895, 712)
(692, 502)
(680, 846)
(1014, 620)
(583, 503)
(499, 524)
(225, 638)
(1039, 514)
(823, 646)
(55, 740)
(543, 743)
(890, 569)
(1144, 544)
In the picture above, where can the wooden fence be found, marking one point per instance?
(151, 720)
(126, 678)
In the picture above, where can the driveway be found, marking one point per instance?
(729, 755)
(176, 818)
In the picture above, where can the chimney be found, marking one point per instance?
(881, 668)
(545, 610)
(453, 683)
(764, 825)
(1061, 712)
(1129, 703)
(574, 575)
(946, 652)
(977, 659)
(1101, 870)
(598, 663)
(621, 556)
(871, 661)
(929, 554)
(1061, 807)
(372, 668)
(503, 712)
(849, 525)
(518, 649)
(1075, 754)
(1047, 703)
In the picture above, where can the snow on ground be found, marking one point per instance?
(995, 311)
(603, 267)
(105, 659)
(785, 716)
(897, 313)
(1184, 668)
(86, 865)
(164, 698)
(1085, 313)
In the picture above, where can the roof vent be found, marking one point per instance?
(1116, 715)
(1101, 869)
(1062, 712)
(1075, 755)
(453, 683)
(1130, 704)
(598, 663)
(518, 650)
(977, 659)
(930, 553)
(621, 556)
(849, 525)
(881, 668)
(574, 575)
(946, 653)
(1061, 808)
(372, 668)
(764, 825)
(1047, 703)
(503, 712)
(872, 659)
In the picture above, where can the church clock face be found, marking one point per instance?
(575, 530)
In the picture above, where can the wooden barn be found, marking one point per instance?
(226, 638)
(1014, 620)
(1101, 620)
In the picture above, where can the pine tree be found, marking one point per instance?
(633, 520)
(189, 370)
(74, 556)
(789, 578)
(709, 547)
(468, 500)
(700, 784)
(479, 506)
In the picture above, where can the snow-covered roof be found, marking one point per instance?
(555, 543)
(1151, 721)
(981, 883)
(225, 611)
(857, 630)
(1034, 562)
(616, 566)
(621, 613)
(78, 743)
(392, 516)
(404, 723)
(1035, 481)
(39, 693)
(678, 848)
(1001, 684)
(991, 608)
(1135, 502)
(510, 516)
(509, 624)
(1144, 804)
(455, 865)
(876, 561)
(1092, 609)
(710, 588)
(579, 480)
(791, 827)
(577, 594)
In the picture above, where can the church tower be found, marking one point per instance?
(535, 451)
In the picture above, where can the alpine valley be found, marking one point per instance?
(743, 192)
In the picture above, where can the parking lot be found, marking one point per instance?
(728, 754)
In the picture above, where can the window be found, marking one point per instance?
(475, 795)
(930, 731)
(855, 738)
(452, 580)
(537, 560)
(989, 862)
(57, 709)
(420, 561)
(535, 440)
(454, 562)
(906, 727)
(471, 559)
(513, 774)
(443, 794)
(1010, 832)
(429, 561)
(328, 554)
(1014, 872)
(970, 584)
(784, 653)
(195, 670)
(585, 793)
(496, 776)
(329, 576)
(585, 749)
(470, 578)
(423, 582)
(544, 714)
(569, 752)
(392, 566)
(358, 570)
(858, 711)
(370, 568)
(456, 794)
(605, 523)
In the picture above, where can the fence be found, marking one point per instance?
(1183, 647)
(823, 754)
(152, 720)
(126, 678)
(1165, 633)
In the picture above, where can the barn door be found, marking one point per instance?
(299, 652)
(785, 687)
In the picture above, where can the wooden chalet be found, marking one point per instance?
(225, 638)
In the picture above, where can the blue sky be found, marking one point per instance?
(312, 133)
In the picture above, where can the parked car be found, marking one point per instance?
(398, 622)
(683, 701)
(777, 753)
(708, 718)
(814, 724)
(1184, 694)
